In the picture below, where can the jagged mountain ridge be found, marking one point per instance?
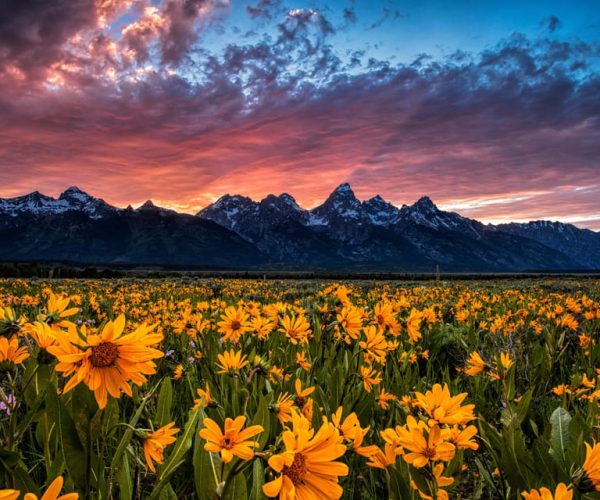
(72, 199)
(79, 228)
(236, 231)
(420, 233)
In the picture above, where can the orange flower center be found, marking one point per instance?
(104, 354)
(228, 442)
(235, 325)
(429, 453)
(297, 470)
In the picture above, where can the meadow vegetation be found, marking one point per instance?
(299, 389)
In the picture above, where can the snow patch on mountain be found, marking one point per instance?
(73, 199)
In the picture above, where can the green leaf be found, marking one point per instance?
(181, 447)
(167, 493)
(398, 487)
(258, 479)
(31, 414)
(165, 403)
(23, 480)
(578, 431)
(523, 406)
(334, 388)
(418, 476)
(83, 409)
(127, 435)
(544, 464)
(204, 479)
(125, 480)
(74, 453)
(559, 436)
(9, 458)
(38, 384)
(263, 418)
(237, 490)
(204, 474)
(364, 407)
(110, 417)
(485, 474)
(516, 458)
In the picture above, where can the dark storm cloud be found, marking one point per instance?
(516, 125)
(172, 30)
(33, 32)
(180, 32)
(264, 9)
(72, 40)
(299, 21)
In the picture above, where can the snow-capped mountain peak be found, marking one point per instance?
(425, 204)
(341, 203)
(425, 213)
(341, 231)
(72, 199)
(228, 210)
(75, 194)
(380, 212)
(289, 200)
(343, 191)
(344, 187)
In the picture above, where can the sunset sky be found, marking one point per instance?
(490, 108)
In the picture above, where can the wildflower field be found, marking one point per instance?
(234, 389)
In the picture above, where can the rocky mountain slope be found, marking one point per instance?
(238, 232)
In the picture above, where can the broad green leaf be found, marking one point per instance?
(110, 417)
(237, 490)
(523, 406)
(125, 480)
(38, 383)
(398, 487)
(23, 480)
(167, 493)
(258, 479)
(165, 402)
(263, 418)
(9, 458)
(205, 466)
(128, 434)
(74, 452)
(181, 447)
(544, 464)
(559, 436)
(419, 478)
(485, 474)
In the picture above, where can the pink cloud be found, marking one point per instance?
(493, 139)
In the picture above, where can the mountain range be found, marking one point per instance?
(276, 233)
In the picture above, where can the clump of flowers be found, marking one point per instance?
(431, 436)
